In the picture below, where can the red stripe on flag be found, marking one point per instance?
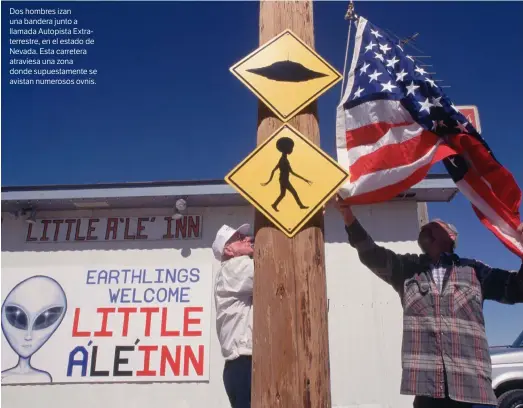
(394, 155)
(486, 222)
(370, 134)
(390, 192)
(482, 190)
(501, 180)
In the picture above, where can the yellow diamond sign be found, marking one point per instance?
(286, 74)
(288, 179)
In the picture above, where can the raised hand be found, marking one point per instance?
(345, 210)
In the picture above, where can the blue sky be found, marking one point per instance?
(164, 88)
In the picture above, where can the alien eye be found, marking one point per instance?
(47, 318)
(16, 317)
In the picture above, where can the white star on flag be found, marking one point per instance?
(375, 33)
(370, 46)
(401, 75)
(434, 125)
(364, 68)
(375, 75)
(420, 71)
(425, 106)
(358, 93)
(441, 123)
(412, 88)
(436, 102)
(431, 82)
(392, 62)
(384, 48)
(379, 56)
(462, 127)
(388, 86)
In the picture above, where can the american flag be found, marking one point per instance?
(394, 122)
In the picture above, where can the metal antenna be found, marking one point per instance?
(351, 15)
(409, 39)
(408, 42)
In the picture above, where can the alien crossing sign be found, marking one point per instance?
(286, 74)
(288, 179)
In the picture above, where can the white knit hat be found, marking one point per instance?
(223, 236)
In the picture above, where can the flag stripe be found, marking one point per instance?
(393, 136)
(499, 179)
(391, 177)
(374, 132)
(489, 216)
(491, 205)
(395, 155)
(385, 110)
(510, 242)
(388, 192)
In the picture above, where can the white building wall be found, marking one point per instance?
(364, 313)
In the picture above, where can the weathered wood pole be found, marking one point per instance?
(291, 347)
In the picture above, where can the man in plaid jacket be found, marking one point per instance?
(445, 357)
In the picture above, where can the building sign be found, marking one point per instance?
(471, 114)
(114, 229)
(288, 179)
(106, 324)
(286, 74)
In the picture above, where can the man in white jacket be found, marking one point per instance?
(233, 299)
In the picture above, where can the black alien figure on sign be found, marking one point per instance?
(286, 145)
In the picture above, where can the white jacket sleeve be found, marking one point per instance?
(238, 276)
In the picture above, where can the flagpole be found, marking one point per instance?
(350, 16)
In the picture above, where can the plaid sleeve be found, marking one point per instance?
(500, 285)
(384, 263)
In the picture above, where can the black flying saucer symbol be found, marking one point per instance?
(287, 71)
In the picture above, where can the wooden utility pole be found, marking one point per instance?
(291, 347)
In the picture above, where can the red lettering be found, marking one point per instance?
(29, 238)
(166, 332)
(112, 226)
(69, 228)
(169, 234)
(187, 321)
(174, 364)
(188, 354)
(91, 229)
(57, 224)
(141, 228)
(181, 227)
(126, 234)
(126, 313)
(77, 236)
(44, 231)
(148, 311)
(103, 332)
(76, 332)
(146, 372)
(194, 227)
